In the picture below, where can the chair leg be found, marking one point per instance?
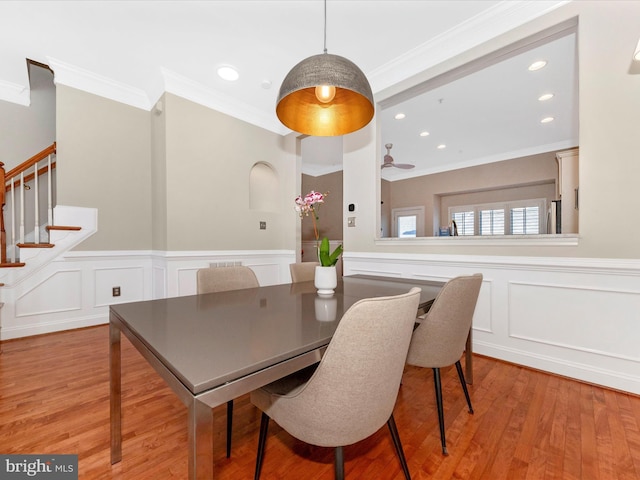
(229, 426)
(339, 463)
(262, 440)
(464, 385)
(438, 387)
(399, 450)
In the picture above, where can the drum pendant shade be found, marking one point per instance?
(299, 109)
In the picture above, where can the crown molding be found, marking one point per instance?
(15, 93)
(186, 88)
(76, 77)
(513, 154)
(493, 22)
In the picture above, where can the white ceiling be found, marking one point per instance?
(133, 51)
(490, 115)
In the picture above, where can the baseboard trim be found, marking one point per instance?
(9, 333)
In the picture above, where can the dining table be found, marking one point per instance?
(214, 347)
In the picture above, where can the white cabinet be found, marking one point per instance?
(568, 189)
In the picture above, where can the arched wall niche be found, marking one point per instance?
(263, 188)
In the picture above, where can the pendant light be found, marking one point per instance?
(325, 95)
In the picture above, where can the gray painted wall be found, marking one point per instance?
(173, 179)
(28, 130)
(104, 162)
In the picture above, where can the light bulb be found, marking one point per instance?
(325, 93)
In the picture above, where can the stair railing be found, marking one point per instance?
(17, 179)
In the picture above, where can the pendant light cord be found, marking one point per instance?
(325, 26)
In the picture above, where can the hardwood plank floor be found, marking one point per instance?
(54, 398)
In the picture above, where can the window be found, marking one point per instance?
(465, 222)
(406, 225)
(492, 221)
(408, 222)
(522, 217)
(525, 220)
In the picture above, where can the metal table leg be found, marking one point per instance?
(115, 393)
(200, 440)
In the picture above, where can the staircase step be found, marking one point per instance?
(8, 265)
(35, 245)
(62, 227)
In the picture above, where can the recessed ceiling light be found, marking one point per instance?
(547, 120)
(545, 97)
(399, 116)
(537, 65)
(227, 72)
(424, 134)
(442, 146)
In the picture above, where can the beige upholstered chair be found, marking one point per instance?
(353, 390)
(303, 272)
(223, 279)
(440, 338)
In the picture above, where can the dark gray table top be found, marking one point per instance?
(210, 339)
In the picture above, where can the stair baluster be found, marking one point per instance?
(18, 178)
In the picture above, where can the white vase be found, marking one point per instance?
(326, 280)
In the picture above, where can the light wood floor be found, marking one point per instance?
(54, 398)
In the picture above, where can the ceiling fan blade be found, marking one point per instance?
(388, 160)
(405, 166)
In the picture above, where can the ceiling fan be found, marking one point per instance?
(388, 160)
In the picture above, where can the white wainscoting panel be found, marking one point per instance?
(58, 292)
(570, 316)
(590, 320)
(482, 316)
(267, 273)
(129, 279)
(159, 281)
(186, 281)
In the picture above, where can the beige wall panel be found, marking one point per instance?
(158, 177)
(209, 156)
(330, 213)
(104, 163)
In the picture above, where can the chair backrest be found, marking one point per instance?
(222, 279)
(303, 272)
(354, 389)
(440, 338)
